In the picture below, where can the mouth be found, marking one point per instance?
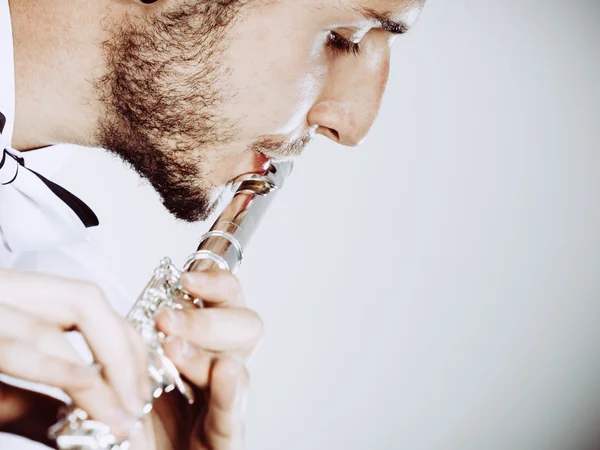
(261, 161)
(282, 150)
(262, 154)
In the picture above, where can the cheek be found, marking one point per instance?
(284, 104)
(276, 78)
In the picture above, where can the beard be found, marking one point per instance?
(161, 110)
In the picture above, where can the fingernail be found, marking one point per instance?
(136, 432)
(181, 347)
(124, 423)
(176, 317)
(138, 408)
(195, 278)
(135, 404)
(187, 351)
(240, 395)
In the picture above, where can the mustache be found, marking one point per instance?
(277, 149)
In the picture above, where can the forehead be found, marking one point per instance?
(394, 6)
(403, 11)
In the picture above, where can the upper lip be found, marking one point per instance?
(261, 162)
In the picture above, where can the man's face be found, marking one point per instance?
(198, 92)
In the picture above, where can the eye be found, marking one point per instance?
(340, 45)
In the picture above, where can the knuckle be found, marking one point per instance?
(236, 288)
(42, 334)
(218, 429)
(238, 297)
(233, 280)
(230, 368)
(137, 339)
(72, 376)
(198, 368)
(94, 301)
(245, 377)
(143, 354)
(227, 281)
(259, 325)
(9, 356)
(143, 364)
(207, 324)
(216, 275)
(93, 292)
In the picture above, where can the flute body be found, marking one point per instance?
(223, 246)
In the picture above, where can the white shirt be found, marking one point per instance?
(73, 259)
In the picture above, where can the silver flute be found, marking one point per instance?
(223, 246)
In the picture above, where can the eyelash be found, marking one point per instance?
(340, 45)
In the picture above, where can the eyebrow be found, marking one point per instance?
(384, 20)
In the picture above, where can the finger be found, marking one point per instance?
(21, 361)
(12, 405)
(101, 403)
(140, 352)
(215, 287)
(213, 329)
(33, 350)
(37, 334)
(224, 424)
(193, 364)
(83, 384)
(27, 414)
(83, 306)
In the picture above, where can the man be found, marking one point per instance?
(190, 93)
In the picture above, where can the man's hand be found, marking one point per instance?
(35, 313)
(26, 413)
(210, 347)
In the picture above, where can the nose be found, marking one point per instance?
(351, 100)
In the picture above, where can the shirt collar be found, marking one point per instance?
(7, 72)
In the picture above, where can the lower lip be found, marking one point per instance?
(261, 162)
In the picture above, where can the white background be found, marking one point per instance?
(438, 288)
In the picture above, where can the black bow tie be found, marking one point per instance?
(83, 211)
